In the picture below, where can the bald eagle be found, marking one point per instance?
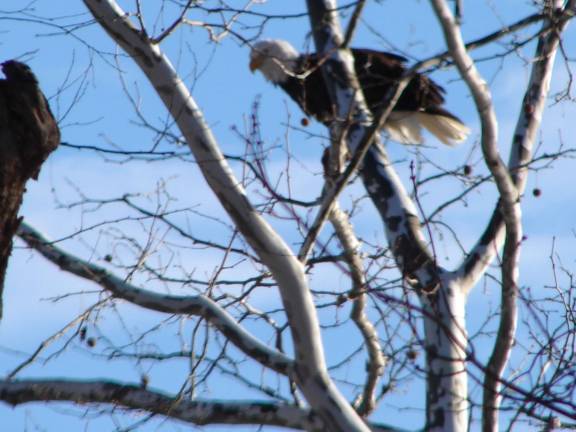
(420, 105)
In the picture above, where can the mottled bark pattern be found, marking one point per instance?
(28, 134)
(136, 398)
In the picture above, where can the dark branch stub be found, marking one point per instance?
(28, 134)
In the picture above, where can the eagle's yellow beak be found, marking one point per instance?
(255, 63)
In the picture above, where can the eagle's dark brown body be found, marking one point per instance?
(377, 71)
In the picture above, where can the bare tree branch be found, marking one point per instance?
(193, 305)
(310, 371)
(366, 402)
(198, 412)
(509, 195)
(353, 24)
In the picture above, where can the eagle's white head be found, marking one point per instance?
(276, 59)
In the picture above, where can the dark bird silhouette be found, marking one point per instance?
(420, 105)
(28, 134)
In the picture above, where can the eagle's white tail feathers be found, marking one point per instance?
(405, 127)
(448, 130)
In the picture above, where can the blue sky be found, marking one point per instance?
(226, 91)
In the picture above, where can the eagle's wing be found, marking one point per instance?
(378, 71)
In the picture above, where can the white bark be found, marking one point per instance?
(489, 244)
(524, 138)
(397, 210)
(445, 343)
(366, 402)
(505, 225)
(311, 373)
(197, 412)
(442, 297)
(190, 305)
(509, 198)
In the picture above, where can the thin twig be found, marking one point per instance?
(353, 24)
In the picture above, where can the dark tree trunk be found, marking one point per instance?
(28, 134)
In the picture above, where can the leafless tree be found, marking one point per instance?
(401, 298)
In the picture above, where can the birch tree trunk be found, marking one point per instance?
(447, 407)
